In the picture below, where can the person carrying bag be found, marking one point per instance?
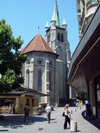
(66, 116)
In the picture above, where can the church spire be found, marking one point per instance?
(64, 22)
(56, 14)
(47, 24)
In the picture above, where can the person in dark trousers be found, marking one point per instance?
(66, 116)
(48, 110)
(88, 110)
(26, 110)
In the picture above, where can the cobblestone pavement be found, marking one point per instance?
(14, 123)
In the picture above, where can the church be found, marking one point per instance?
(48, 62)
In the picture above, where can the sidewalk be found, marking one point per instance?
(83, 124)
(14, 123)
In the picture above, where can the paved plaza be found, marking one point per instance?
(14, 123)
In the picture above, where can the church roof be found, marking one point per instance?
(56, 14)
(47, 24)
(24, 90)
(37, 44)
(64, 22)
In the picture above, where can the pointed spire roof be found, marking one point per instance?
(56, 14)
(37, 44)
(47, 24)
(64, 22)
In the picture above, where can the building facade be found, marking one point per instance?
(84, 71)
(56, 37)
(14, 101)
(85, 10)
(48, 62)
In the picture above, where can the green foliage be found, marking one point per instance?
(7, 81)
(0, 60)
(81, 95)
(10, 59)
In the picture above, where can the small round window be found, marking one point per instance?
(39, 61)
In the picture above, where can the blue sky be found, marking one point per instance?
(25, 16)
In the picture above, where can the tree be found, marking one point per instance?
(81, 95)
(10, 59)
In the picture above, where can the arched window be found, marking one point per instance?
(62, 38)
(50, 63)
(58, 37)
(50, 80)
(48, 38)
(28, 61)
(39, 80)
(27, 78)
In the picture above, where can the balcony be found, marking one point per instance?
(78, 13)
(92, 3)
(83, 17)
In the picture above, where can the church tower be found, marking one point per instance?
(56, 37)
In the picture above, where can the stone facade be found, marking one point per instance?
(48, 62)
(56, 37)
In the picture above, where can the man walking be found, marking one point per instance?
(26, 110)
(48, 110)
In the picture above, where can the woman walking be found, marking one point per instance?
(66, 116)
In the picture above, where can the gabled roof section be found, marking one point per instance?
(37, 44)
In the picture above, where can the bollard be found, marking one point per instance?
(75, 109)
(69, 115)
(71, 111)
(73, 127)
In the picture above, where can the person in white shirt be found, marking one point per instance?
(66, 116)
(48, 110)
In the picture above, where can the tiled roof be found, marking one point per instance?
(37, 44)
(24, 90)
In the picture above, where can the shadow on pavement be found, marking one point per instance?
(92, 120)
(4, 130)
(17, 121)
(78, 131)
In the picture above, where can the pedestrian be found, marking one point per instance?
(80, 104)
(13, 108)
(26, 110)
(48, 110)
(56, 105)
(77, 104)
(66, 116)
(88, 109)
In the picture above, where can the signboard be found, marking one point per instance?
(23, 95)
(36, 96)
(5, 110)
